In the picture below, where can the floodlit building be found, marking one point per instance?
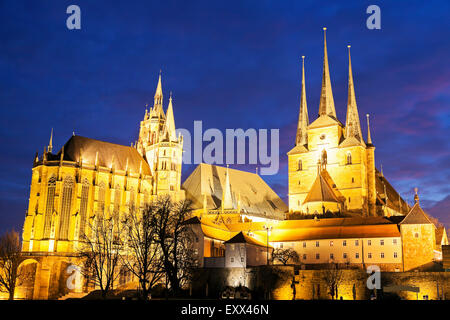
(341, 208)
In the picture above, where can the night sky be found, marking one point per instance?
(232, 64)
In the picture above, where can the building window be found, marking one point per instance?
(394, 241)
(232, 259)
(49, 206)
(369, 242)
(381, 242)
(304, 256)
(324, 157)
(331, 243)
(356, 243)
(369, 255)
(395, 255)
(317, 256)
(357, 255)
(349, 158)
(242, 259)
(349, 199)
(331, 256)
(232, 246)
(83, 207)
(304, 244)
(382, 255)
(101, 198)
(344, 255)
(416, 235)
(344, 243)
(317, 243)
(425, 297)
(299, 165)
(65, 208)
(353, 180)
(299, 182)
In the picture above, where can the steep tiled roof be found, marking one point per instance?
(256, 197)
(320, 191)
(87, 148)
(242, 238)
(416, 216)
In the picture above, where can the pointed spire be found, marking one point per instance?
(382, 170)
(352, 124)
(158, 100)
(369, 138)
(326, 106)
(416, 195)
(303, 121)
(169, 127)
(50, 143)
(227, 200)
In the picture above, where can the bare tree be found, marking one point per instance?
(175, 239)
(285, 255)
(333, 277)
(101, 252)
(10, 259)
(143, 254)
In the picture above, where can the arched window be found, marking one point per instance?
(83, 207)
(349, 158)
(299, 165)
(66, 204)
(49, 206)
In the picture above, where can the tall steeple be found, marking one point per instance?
(227, 201)
(326, 106)
(158, 92)
(170, 122)
(352, 124)
(158, 100)
(50, 143)
(303, 121)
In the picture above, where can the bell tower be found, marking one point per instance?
(159, 144)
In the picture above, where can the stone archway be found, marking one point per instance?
(26, 279)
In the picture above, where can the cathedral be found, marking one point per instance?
(339, 203)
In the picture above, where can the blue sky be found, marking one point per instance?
(233, 64)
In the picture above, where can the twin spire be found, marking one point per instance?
(158, 111)
(303, 122)
(326, 105)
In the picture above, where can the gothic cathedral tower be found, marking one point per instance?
(159, 144)
(331, 167)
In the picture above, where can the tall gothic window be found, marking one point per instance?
(299, 165)
(349, 158)
(101, 199)
(83, 207)
(116, 212)
(65, 208)
(132, 197)
(49, 206)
